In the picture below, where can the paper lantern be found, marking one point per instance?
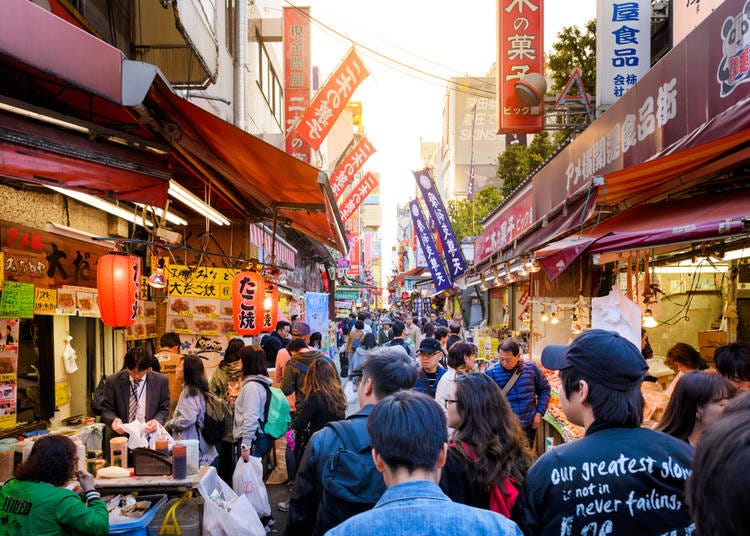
(248, 293)
(270, 308)
(118, 278)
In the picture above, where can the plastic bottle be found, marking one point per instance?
(81, 454)
(179, 460)
(118, 455)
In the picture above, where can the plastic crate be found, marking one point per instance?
(188, 518)
(139, 527)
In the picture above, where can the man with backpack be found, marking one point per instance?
(399, 340)
(337, 478)
(295, 369)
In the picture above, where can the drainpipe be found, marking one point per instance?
(240, 66)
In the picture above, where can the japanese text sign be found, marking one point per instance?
(357, 196)
(452, 249)
(439, 277)
(520, 47)
(623, 47)
(248, 293)
(200, 282)
(506, 226)
(17, 300)
(296, 78)
(344, 174)
(330, 101)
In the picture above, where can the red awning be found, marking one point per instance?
(658, 224)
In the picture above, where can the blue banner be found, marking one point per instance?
(452, 249)
(434, 262)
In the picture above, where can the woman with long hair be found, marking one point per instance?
(683, 358)
(324, 402)
(190, 412)
(226, 383)
(489, 455)
(461, 359)
(38, 499)
(360, 354)
(697, 402)
(249, 410)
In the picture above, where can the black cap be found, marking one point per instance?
(603, 356)
(430, 346)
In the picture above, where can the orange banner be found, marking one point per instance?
(364, 187)
(344, 174)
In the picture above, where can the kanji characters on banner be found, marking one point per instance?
(296, 78)
(330, 101)
(440, 278)
(344, 174)
(360, 192)
(452, 249)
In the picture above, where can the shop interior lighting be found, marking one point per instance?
(483, 285)
(535, 267)
(522, 270)
(187, 198)
(41, 117)
(575, 326)
(545, 316)
(268, 301)
(171, 217)
(648, 319)
(553, 317)
(158, 279)
(101, 204)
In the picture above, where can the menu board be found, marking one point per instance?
(8, 370)
(197, 316)
(145, 325)
(45, 301)
(17, 300)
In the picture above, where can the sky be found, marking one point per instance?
(400, 105)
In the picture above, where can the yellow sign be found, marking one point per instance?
(2, 269)
(62, 393)
(200, 282)
(45, 301)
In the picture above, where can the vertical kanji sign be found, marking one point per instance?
(296, 78)
(345, 172)
(330, 101)
(360, 192)
(440, 279)
(520, 32)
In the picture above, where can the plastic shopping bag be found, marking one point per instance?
(615, 312)
(224, 513)
(137, 436)
(248, 481)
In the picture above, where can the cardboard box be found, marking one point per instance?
(707, 353)
(712, 338)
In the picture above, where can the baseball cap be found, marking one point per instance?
(300, 329)
(429, 346)
(385, 321)
(603, 356)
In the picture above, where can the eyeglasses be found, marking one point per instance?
(449, 402)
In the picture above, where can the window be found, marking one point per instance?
(269, 83)
(229, 30)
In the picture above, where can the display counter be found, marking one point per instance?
(151, 484)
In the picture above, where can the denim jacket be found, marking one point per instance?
(421, 507)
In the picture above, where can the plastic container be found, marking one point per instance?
(118, 451)
(188, 516)
(193, 455)
(179, 461)
(6, 462)
(21, 451)
(139, 527)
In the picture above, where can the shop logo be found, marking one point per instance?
(734, 68)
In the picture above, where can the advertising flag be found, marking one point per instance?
(344, 174)
(360, 192)
(453, 254)
(331, 100)
(296, 78)
(440, 279)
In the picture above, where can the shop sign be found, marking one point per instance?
(17, 300)
(357, 196)
(513, 220)
(520, 52)
(426, 241)
(200, 282)
(296, 78)
(331, 100)
(688, 14)
(62, 393)
(45, 301)
(345, 172)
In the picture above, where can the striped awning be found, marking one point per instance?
(260, 237)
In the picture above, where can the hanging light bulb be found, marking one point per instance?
(522, 271)
(648, 319)
(534, 268)
(158, 279)
(553, 318)
(545, 316)
(575, 327)
(267, 301)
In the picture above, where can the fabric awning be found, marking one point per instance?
(665, 223)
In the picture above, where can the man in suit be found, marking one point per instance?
(136, 393)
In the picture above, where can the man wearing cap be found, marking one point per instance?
(384, 334)
(429, 371)
(620, 478)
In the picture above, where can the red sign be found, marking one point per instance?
(330, 101)
(520, 51)
(248, 293)
(344, 174)
(296, 77)
(360, 192)
(506, 226)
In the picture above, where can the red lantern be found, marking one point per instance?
(118, 278)
(248, 292)
(270, 308)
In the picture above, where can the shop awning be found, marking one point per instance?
(665, 223)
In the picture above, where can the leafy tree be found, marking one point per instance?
(518, 161)
(466, 216)
(572, 49)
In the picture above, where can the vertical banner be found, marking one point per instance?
(9, 333)
(331, 100)
(434, 262)
(316, 311)
(470, 187)
(296, 78)
(623, 47)
(344, 174)
(352, 227)
(360, 192)
(520, 51)
(367, 249)
(451, 248)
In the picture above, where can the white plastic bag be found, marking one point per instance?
(137, 436)
(69, 356)
(248, 481)
(615, 312)
(224, 513)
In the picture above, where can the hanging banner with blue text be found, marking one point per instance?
(453, 254)
(434, 262)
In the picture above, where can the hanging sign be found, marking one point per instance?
(118, 281)
(434, 262)
(296, 77)
(331, 100)
(248, 292)
(270, 308)
(453, 254)
(17, 300)
(345, 172)
(360, 192)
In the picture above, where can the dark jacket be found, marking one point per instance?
(271, 345)
(530, 394)
(117, 397)
(613, 481)
(314, 508)
(313, 416)
(421, 384)
(294, 375)
(457, 481)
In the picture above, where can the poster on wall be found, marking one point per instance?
(196, 316)
(316, 311)
(8, 370)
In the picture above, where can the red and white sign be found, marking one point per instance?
(330, 101)
(520, 51)
(513, 220)
(360, 192)
(344, 174)
(367, 249)
(262, 239)
(296, 78)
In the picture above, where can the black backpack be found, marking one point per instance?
(217, 422)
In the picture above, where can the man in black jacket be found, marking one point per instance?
(324, 497)
(620, 478)
(275, 341)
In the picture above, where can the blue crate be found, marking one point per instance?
(139, 527)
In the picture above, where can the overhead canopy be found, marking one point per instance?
(658, 224)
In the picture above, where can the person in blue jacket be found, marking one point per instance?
(529, 393)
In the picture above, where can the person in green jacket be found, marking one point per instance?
(38, 500)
